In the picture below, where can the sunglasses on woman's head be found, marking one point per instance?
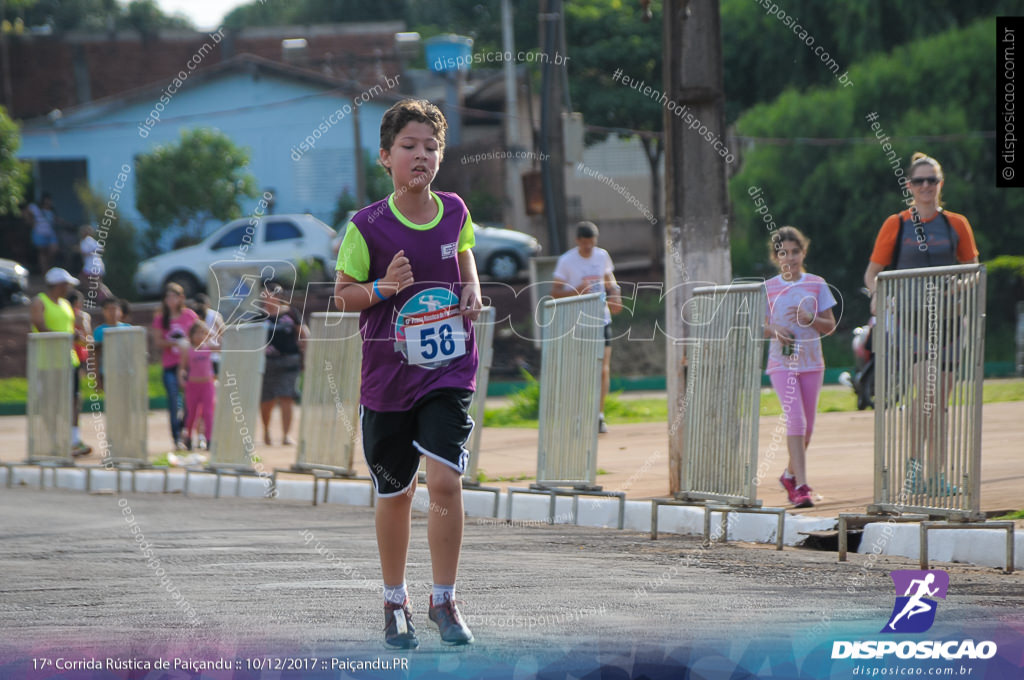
(918, 181)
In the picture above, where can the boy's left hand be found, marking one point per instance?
(470, 304)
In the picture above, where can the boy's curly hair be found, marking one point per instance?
(412, 110)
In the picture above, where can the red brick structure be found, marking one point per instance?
(58, 72)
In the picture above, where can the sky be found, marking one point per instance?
(205, 14)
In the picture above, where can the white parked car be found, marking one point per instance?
(271, 237)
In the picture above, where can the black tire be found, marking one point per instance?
(504, 265)
(186, 281)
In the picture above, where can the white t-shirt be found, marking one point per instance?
(214, 321)
(42, 220)
(586, 274)
(91, 262)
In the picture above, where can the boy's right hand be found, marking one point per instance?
(399, 274)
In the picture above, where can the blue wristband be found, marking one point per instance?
(376, 290)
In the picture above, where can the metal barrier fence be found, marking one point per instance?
(328, 434)
(928, 391)
(237, 413)
(723, 394)
(126, 393)
(483, 327)
(50, 400)
(542, 276)
(572, 334)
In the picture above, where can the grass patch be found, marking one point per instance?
(481, 477)
(15, 390)
(834, 398)
(1013, 515)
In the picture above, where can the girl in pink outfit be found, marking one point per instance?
(799, 313)
(200, 388)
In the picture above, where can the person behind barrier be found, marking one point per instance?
(170, 335)
(43, 221)
(925, 235)
(589, 269)
(286, 341)
(112, 318)
(49, 312)
(80, 345)
(92, 267)
(196, 379)
(215, 322)
(799, 313)
(407, 266)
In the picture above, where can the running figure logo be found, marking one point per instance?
(914, 611)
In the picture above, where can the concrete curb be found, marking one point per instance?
(982, 547)
(986, 547)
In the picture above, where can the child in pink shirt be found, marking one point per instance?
(200, 387)
(799, 313)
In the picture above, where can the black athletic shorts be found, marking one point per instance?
(607, 335)
(437, 426)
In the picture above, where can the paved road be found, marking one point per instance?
(236, 578)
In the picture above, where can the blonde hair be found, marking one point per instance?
(920, 158)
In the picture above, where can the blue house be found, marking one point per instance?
(300, 127)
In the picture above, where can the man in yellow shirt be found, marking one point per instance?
(51, 312)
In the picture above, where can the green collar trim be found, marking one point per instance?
(412, 225)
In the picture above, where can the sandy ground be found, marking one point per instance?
(635, 457)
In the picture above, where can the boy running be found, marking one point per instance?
(405, 263)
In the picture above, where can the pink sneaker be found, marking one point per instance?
(789, 484)
(802, 497)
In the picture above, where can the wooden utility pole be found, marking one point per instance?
(696, 200)
(552, 139)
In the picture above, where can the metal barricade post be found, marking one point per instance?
(125, 403)
(722, 406)
(483, 327)
(126, 393)
(572, 335)
(929, 345)
(236, 414)
(50, 401)
(329, 421)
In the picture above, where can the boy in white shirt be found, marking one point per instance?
(589, 269)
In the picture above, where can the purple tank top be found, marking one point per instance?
(416, 341)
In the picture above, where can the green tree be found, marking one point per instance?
(94, 15)
(840, 193)
(313, 12)
(762, 56)
(606, 37)
(185, 185)
(13, 173)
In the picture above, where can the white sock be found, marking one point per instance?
(395, 594)
(601, 415)
(442, 593)
(788, 474)
(75, 435)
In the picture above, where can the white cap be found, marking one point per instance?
(58, 275)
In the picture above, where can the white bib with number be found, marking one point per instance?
(441, 340)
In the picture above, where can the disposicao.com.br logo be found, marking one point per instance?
(914, 612)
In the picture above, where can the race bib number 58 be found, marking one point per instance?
(430, 329)
(438, 341)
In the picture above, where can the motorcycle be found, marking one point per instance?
(862, 382)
